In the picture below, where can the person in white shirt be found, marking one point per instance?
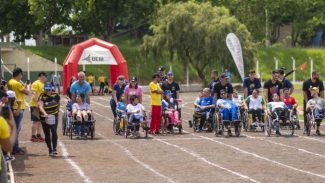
(135, 109)
(276, 109)
(81, 109)
(255, 104)
(317, 105)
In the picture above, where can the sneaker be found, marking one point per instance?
(229, 133)
(9, 158)
(199, 130)
(317, 132)
(54, 152)
(278, 133)
(40, 138)
(34, 139)
(51, 153)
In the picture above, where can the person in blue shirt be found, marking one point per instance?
(226, 106)
(118, 90)
(121, 106)
(80, 86)
(205, 105)
(286, 83)
(250, 83)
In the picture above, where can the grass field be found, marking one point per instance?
(144, 67)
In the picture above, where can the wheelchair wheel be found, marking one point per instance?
(71, 131)
(195, 124)
(115, 125)
(245, 121)
(163, 125)
(218, 125)
(290, 128)
(268, 126)
(92, 131)
(308, 124)
(180, 128)
(64, 120)
(146, 129)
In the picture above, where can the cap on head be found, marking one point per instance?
(168, 92)
(161, 68)
(223, 75)
(170, 73)
(47, 86)
(315, 89)
(134, 78)
(11, 94)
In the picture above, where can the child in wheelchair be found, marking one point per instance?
(256, 105)
(228, 109)
(278, 111)
(135, 111)
(204, 111)
(316, 107)
(169, 110)
(121, 112)
(82, 113)
(292, 105)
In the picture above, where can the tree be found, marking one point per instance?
(48, 13)
(15, 18)
(197, 33)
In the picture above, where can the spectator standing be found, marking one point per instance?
(155, 101)
(20, 90)
(250, 83)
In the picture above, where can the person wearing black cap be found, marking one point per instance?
(250, 83)
(162, 75)
(49, 105)
(20, 90)
(133, 88)
(222, 85)
(171, 85)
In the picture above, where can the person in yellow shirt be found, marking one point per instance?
(101, 80)
(7, 133)
(36, 90)
(155, 99)
(91, 81)
(20, 90)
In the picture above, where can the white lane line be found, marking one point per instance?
(74, 165)
(288, 146)
(207, 161)
(314, 139)
(261, 157)
(131, 156)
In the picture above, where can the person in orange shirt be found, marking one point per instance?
(155, 98)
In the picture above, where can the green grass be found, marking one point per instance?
(145, 67)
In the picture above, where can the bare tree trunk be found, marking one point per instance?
(39, 38)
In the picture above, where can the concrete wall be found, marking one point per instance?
(19, 58)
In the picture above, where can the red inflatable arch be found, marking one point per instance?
(94, 52)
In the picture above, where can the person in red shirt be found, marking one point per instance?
(291, 103)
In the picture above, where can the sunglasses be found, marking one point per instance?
(222, 93)
(121, 79)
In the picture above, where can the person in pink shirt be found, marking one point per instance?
(133, 88)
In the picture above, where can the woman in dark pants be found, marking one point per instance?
(49, 104)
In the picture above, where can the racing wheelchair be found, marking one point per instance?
(278, 120)
(83, 128)
(132, 128)
(312, 122)
(167, 126)
(208, 118)
(222, 124)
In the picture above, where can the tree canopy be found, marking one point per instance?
(197, 34)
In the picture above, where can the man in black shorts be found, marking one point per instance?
(222, 85)
(273, 85)
(314, 81)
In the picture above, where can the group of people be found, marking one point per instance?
(277, 99)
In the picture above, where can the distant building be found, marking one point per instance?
(65, 40)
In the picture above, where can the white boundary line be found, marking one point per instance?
(314, 139)
(11, 173)
(131, 156)
(207, 161)
(288, 146)
(74, 165)
(261, 157)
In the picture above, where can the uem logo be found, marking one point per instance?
(93, 59)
